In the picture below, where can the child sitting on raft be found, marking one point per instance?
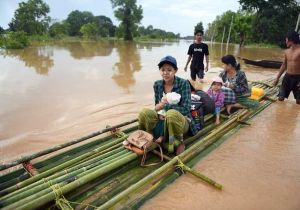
(217, 95)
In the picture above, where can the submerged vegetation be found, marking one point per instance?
(257, 22)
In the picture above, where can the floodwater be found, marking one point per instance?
(53, 93)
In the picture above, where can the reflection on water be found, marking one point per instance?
(37, 57)
(81, 50)
(128, 64)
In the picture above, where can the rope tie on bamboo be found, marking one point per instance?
(185, 168)
(117, 132)
(180, 165)
(60, 200)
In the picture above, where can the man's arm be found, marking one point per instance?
(187, 62)
(281, 70)
(207, 62)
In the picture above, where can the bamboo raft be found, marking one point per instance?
(102, 174)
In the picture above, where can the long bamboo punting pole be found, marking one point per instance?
(58, 147)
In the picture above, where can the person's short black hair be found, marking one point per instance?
(198, 31)
(293, 36)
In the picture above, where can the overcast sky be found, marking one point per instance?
(171, 15)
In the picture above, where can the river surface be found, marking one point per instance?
(53, 93)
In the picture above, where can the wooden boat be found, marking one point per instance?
(102, 174)
(263, 63)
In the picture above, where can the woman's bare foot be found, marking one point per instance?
(180, 149)
(159, 139)
(228, 108)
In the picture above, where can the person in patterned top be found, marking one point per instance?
(235, 80)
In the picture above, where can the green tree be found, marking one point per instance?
(271, 21)
(105, 25)
(14, 40)
(76, 19)
(242, 24)
(59, 29)
(1, 30)
(90, 30)
(31, 17)
(130, 16)
(199, 27)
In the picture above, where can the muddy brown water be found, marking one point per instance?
(53, 93)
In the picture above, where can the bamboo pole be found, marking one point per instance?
(60, 167)
(73, 185)
(87, 192)
(76, 151)
(213, 34)
(223, 34)
(228, 38)
(203, 177)
(44, 184)
(47, 186)
(61, 173)
(297, 24)
(61, 146)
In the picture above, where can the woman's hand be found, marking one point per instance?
(161, 104)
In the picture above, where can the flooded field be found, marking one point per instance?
(54, 93)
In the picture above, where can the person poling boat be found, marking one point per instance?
(171, 119)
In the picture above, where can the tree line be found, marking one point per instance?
(31, 18)
(256, 22)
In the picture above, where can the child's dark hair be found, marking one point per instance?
(198, 31)
(230, 59)
(293, 36)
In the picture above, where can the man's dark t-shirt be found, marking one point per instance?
(197, 51)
